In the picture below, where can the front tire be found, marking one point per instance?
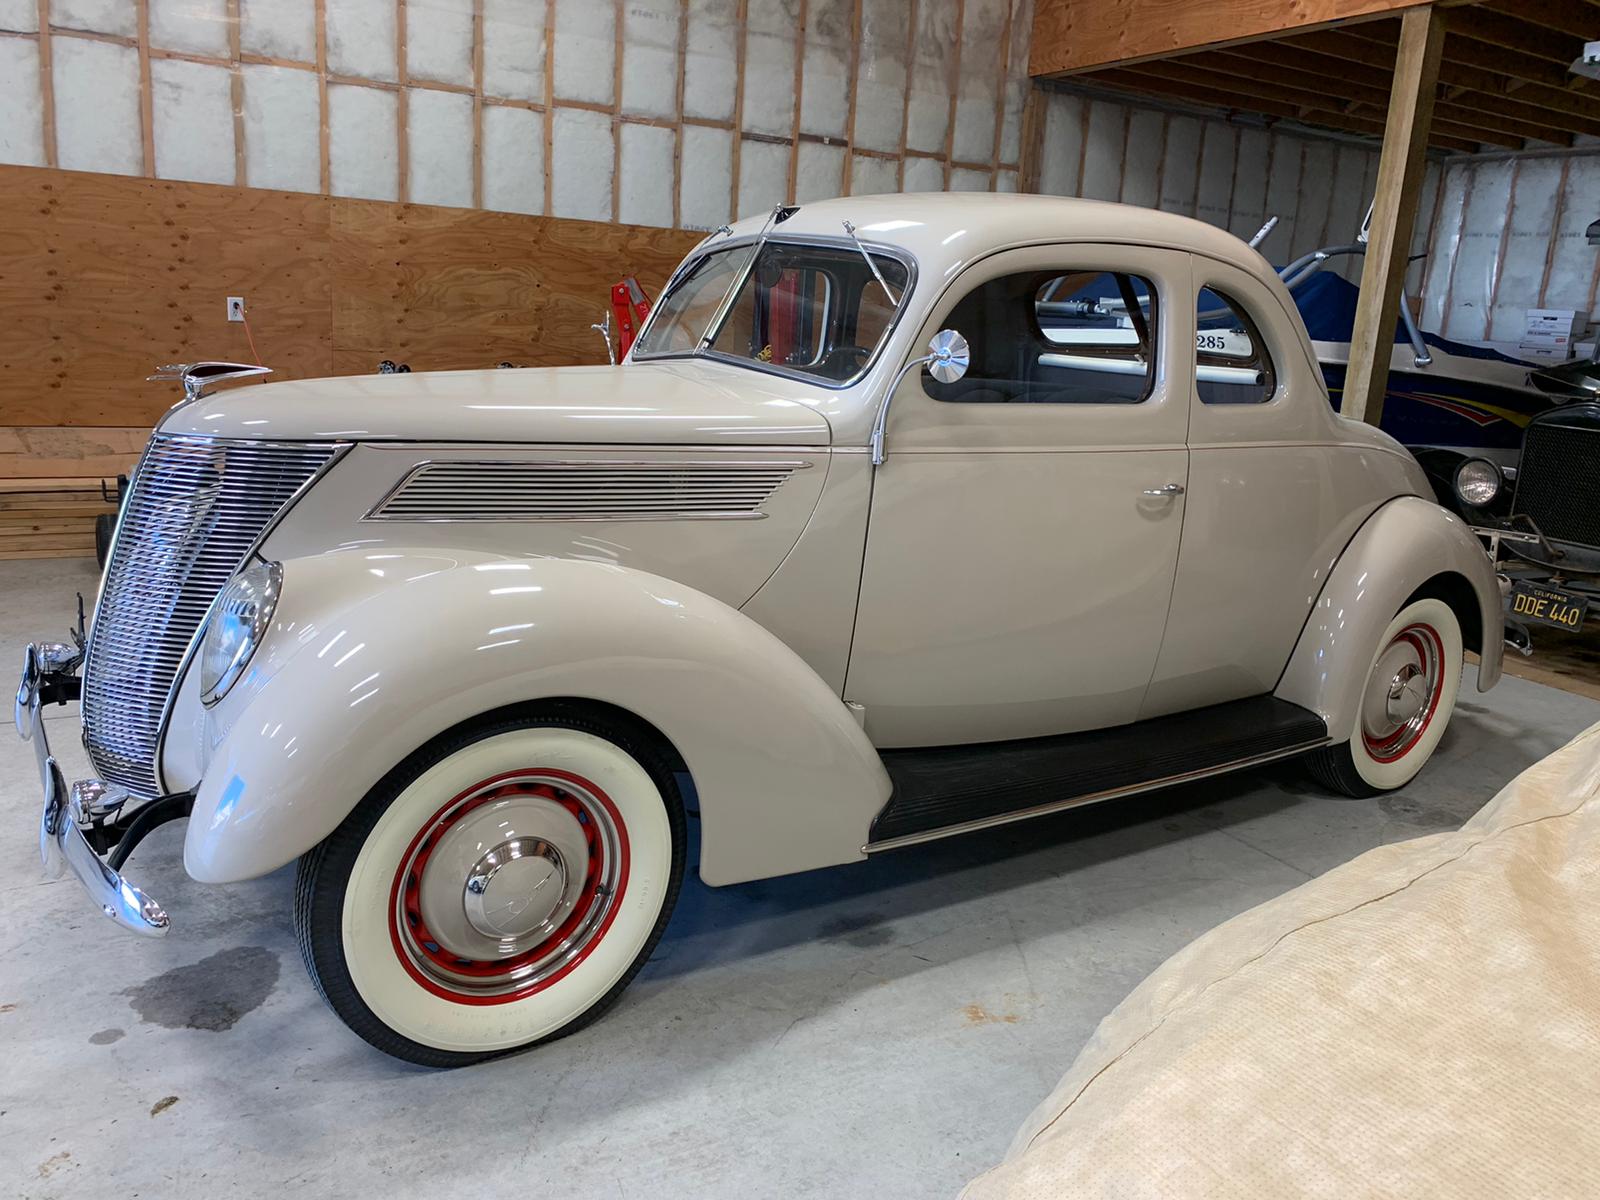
(499, 888)
(1406, 703)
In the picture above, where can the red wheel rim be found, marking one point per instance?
(517, 971)
(1403, 697)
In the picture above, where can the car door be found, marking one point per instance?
(1025, 522)
(1272, 498)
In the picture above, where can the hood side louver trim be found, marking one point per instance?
(591, 490)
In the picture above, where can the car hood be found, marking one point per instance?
(683, 401)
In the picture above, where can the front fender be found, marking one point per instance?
(1399, 548)
(372, 655)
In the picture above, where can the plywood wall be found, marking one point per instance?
(678, 113)
(104, 277)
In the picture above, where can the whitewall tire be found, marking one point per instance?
(499, 888)
(1406, 704)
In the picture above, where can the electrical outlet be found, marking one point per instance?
(235, 308)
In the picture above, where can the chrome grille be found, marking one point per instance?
(1558, 481)
(196, 508)
(593, 490)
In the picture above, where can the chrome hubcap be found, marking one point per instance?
(507, 884)
(515, 889)
(1402, 692)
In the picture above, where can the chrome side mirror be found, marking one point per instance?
(947, 360)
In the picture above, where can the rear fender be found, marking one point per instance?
(1398, 550)
(372, 655)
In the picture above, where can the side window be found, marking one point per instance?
(1232, 365)
(1055, 337)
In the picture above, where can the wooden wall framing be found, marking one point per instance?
(997, 170)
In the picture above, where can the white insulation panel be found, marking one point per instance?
(650, 58)
(439, 40)
(978, 96)
(932, 79)
(1442, 251)
(1061, 158)
(586, 49)
(1248, 210)
(98, 125)
(1214, 194)
(513, 49)
(193, 26)
(363, 142)
(820, 172)
(763, 177)
(646, 191)
(1535, 189)
(825, 98)
(361, 38)
(19, 16)
(439, 149)
(1146, 141)
(513, 160)
(769, 60)
(881, 76)
(706, 178)
(924, 175)
(192, 107)
(710, 76)
(582, 162)
(1102, 151)
(120, 17)
(279, 29)
(282, 112)
(21, 104)
(1572, 263)
(1477, 264)
(872, 176)
(1180, 165)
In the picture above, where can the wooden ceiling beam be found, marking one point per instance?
(1291, 65)
(1124, 80)
(1467, 63)
(1510, 33)
(1081, 35)
(1457, 122)
(1573, 17)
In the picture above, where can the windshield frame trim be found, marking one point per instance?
(825, 241)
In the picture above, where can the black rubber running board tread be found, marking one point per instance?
(943, 786)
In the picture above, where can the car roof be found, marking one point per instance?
(945, 229)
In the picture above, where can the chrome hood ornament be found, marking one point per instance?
(198, 376)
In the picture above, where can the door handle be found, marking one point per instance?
(1165, 493)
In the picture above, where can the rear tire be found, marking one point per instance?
(1406, 704)
(498, 889)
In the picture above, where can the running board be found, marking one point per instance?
(940, 791)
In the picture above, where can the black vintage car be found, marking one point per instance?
(1544, 518)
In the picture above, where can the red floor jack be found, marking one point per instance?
(629, 308)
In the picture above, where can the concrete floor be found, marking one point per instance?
(878, 1029)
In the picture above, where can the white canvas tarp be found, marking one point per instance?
(1423, 1021)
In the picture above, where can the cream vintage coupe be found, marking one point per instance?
(905, 516)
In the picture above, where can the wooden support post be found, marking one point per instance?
(1400, 169)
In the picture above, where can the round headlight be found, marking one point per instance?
(1477, 482)
(239, 617)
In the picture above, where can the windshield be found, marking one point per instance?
(816, 310)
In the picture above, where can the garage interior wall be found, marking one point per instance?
(651, 112)
(1229, 174)
(1508, 235)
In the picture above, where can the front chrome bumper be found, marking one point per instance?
(61, 837)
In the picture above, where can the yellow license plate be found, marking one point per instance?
(1547, 606)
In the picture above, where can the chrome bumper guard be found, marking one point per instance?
(61, 838)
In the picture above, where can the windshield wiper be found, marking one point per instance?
(871, 266)
(779, 214)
